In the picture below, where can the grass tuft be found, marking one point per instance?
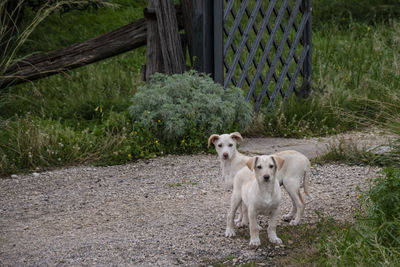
(375, 237)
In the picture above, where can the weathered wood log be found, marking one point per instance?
(41, 65)
(173, 57)
(107, 45)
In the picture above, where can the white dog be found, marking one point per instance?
(259, 192)
(295, 170)
(231, 159)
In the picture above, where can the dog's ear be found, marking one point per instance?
(212, 139)
(279, 161)
(251, 163)
(237, 136)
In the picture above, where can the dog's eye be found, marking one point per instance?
(220, 145)
(271, 166)
(259, 167)
(230, 145)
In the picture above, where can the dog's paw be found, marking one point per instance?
(255, 242)
(287, 217)
(229, 232)
(294, 222)
(275, 240)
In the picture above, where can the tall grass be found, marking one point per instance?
(75, 116)
(344, 12)
(353, 69)
(355, 64)
(375, 237)
(23, 32)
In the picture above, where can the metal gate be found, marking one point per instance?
(264, 47)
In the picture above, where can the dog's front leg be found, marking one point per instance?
(254, 229)
(236, 199)
(273, 238)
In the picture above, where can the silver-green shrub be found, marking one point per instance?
(173, 106)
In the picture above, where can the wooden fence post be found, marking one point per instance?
(154, 59)
(173, 57)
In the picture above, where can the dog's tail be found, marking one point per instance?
(306, 177)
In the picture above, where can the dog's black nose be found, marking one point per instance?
(225, 155)
(266, 177)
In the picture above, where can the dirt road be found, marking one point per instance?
(165, 211)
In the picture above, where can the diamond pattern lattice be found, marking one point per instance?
(267, 48)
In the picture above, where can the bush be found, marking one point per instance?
(175, 107)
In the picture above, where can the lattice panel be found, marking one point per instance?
(267, 48)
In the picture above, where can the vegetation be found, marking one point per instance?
(83, 115)
(354, 70)
(354, 63)
(375, 237)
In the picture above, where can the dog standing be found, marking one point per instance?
(295, 171)
(258, 192)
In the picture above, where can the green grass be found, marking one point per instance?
(355, 84)
(375, 237)
(301, 244)
(85, 109)
(183, 183)
(81, 116)
(60, 30)
(353, 69)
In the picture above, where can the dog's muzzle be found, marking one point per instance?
(225, 155)
(266, 177)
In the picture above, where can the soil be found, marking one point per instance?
(161, 212)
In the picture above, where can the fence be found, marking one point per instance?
(261, 46)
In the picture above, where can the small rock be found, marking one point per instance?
(35, 174)
(380, 149)
(14, 176)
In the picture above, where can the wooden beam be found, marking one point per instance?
(154, 59)
(107, 45)
(173, 57)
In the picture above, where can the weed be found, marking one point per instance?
(375, 237)
(183, 183)
(349, 152)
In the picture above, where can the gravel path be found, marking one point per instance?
(165, 211)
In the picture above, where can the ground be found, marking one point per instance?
(164, 211)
